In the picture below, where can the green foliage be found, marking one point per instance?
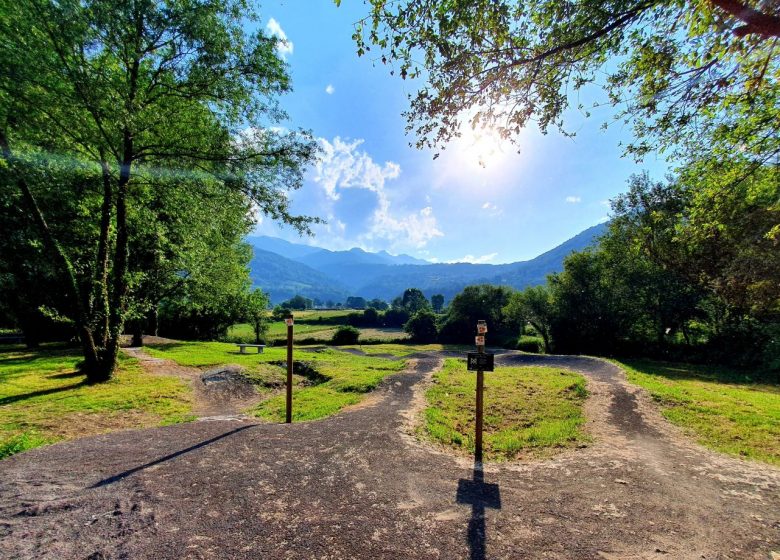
(533, 305)
(476, 303)
(412, 301)
(256, 312)
(688, 75)
(395, 317)
(298, 303)
(129, 145)
(355, 302)
(345, 335)
(736, 412)
(437, 303)
(422, 327)
(377, 304)
(533, 344)
(532, 410)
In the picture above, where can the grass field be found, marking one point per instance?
(44, 399)
(342, 379)
(529, 411)
(723, 409)
(313, 325)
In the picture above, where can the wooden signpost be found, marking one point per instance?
(289, 321)
(481, 362)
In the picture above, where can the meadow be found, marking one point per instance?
(736, 412)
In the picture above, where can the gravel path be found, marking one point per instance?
(358, 485)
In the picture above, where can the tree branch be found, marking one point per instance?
(756, 22)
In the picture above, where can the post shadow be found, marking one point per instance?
(480, 495)
(120, 476)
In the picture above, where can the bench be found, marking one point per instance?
(243, 348)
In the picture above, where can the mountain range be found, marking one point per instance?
(284, 269)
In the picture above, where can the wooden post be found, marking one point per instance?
(481, 330)
(289, 322)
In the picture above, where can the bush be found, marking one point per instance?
(345, 335)
(371, 317)
(395, 318)
(533, 344)
(422, 326)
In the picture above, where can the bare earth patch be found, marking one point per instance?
(357, 485)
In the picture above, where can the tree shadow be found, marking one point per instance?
(66, 375)
(43, 392)
(120, 476)
(479, 495)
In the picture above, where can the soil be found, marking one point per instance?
(218, 393)
(358, 485)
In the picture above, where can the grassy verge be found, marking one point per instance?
(342, 379)
(529, 411)
(724, 409)
(44, 399)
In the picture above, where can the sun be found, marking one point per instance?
(482, 147)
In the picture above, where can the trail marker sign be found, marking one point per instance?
(479, 361)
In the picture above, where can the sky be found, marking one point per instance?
(378, 193)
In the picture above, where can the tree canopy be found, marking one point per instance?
(124, 113)
(679, 71)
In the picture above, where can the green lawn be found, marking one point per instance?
(343, 378)
(529, 411)
(44, 399)
(724, 409)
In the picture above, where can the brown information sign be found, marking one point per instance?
(479, 361)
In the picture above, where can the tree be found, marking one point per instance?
(680, 70)
(422, 326)
(345, 335)
(256, 312)
(474, 303)
(535, 306)
(413, 300)
(298, 302)
(122, 90)
(437, 303)
(377, 304)
(716, 225)
(355, 302)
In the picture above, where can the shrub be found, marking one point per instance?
(422, 326)
(345, 335)
(395, 317)
(533, 344)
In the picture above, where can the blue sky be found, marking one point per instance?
(378, 193)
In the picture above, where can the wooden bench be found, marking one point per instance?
(243, 348)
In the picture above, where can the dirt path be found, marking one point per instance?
(218, 394)
(358, 486)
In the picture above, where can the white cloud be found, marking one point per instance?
(329, 89)
(573, 199)
(475, 260)
(283, 46)
(342, 165)
(603, 219)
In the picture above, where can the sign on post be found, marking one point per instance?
(481, 327)
(479, 361)
(479, 340)
(289, 321)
